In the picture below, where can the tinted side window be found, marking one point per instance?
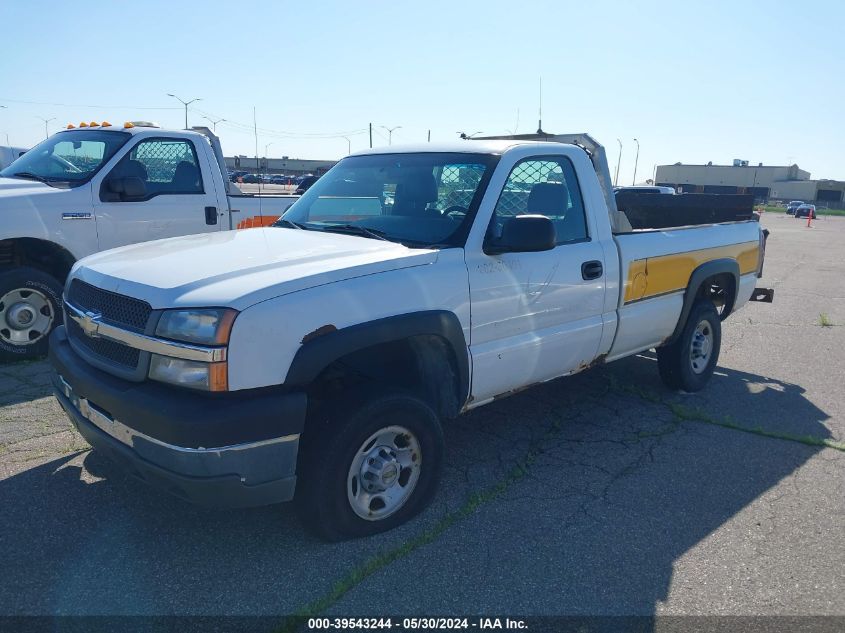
(166, 166)
(543, 186)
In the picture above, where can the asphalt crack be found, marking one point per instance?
(690, 414)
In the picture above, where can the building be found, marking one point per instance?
(765, 182)
(284, 165)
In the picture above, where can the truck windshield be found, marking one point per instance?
(421, 199)
(71, 157)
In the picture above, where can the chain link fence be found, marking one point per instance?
(514, 198)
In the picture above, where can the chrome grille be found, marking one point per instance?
(132, 314)
(118, 310)
(103, 348)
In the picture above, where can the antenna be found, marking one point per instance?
(516, 125)
(540, 119)
(257, 164)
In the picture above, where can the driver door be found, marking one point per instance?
(179, 196)
(536, 315)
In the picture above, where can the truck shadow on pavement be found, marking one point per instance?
(615, 489)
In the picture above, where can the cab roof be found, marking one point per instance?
(470, 146)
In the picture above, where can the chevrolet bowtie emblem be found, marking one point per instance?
(90, 323)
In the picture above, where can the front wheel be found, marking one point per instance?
(30, 307)
(688, 363)
(369, 467)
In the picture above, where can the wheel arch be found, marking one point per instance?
(46, 256)
(433, 337)
(714, 270)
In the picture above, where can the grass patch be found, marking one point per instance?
(824, 320)
(770, 208)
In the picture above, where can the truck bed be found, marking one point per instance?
(253, 210)
(655, 269)
(658, 211)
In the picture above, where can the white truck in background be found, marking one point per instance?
(316, 359)
(100, 186)
(9, 154)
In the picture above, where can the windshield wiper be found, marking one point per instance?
(354, 229)
(296, 225)
(31, 176)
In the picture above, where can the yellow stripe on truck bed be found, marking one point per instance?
(670, 273)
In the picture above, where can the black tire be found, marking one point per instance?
(678, 367)
(333, 442)
(28, 284)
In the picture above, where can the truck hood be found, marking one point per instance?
(241, 268)
(15, 187)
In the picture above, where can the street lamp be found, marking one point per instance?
(390, 132)
(213, 123)
(46, 122)
(348, 145)
(635, 161)
(266, 147)
(186, 104)
(618, 160)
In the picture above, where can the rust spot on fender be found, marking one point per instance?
(320, 331)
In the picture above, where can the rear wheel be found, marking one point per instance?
(688, 363)
(369, 466)
(30, 307)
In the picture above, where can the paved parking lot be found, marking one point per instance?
(598, 494)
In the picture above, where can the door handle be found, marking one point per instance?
(591, 270)
(211, 215)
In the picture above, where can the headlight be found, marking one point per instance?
(189, 373)
(206, 326)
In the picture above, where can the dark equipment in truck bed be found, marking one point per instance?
(651, 211)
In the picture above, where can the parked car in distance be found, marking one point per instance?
(645, 189)
(806, 210)
(250, 178)
(305, 184)
(790, 208)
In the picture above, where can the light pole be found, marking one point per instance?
(390, 132)
(186, 104)
(213, 123)
(618, 160)
(635, 162)
(266, 147)
(46, 122)
(348, 145)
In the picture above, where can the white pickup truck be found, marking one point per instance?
(318, 357)
(92, 188)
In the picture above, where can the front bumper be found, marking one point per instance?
(238, 450)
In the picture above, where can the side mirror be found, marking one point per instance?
(125, 189)
(525, 234)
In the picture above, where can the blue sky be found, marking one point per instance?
(693, 81)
